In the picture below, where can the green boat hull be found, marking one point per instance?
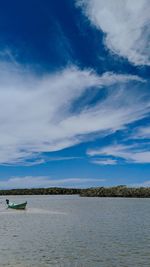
(21, 206)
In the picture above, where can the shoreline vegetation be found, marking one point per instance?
(115, 191)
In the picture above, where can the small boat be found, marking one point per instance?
(12, 205)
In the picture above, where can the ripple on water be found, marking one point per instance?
(96, 232)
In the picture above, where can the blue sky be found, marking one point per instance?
(74, 93)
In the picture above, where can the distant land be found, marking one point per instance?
(116, 191)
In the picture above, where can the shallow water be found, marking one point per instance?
(69, 231)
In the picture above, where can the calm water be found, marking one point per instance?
(69, 231)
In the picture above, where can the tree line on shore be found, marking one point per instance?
(116, 191)
(40, 191)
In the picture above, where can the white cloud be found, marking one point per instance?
(125, 24)
(36, 112)
(143, 184)
(104, 161)
(141, 133)
(45, 181)
(136, 153)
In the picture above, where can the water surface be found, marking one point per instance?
(69, 231)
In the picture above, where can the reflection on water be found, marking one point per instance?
(69, 231)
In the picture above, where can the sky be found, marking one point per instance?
(74, 93)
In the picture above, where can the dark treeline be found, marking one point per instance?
(41, 191)
(116, 191)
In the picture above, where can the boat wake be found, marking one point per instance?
(31, 211)
(41, 211)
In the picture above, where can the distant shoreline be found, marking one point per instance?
(116, 191)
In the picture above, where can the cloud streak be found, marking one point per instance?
(142, 132)
(136, 153)
(45, 182)
(104, 161)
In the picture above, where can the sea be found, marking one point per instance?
(74, 231)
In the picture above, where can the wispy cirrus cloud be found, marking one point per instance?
(104, 161)
(45, 182)
(125, 25)
(36, 112)
(135, 153)
(142, 132)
